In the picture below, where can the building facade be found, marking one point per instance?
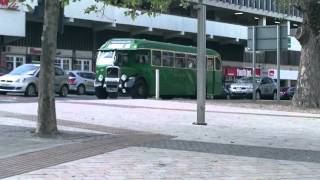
(83, 34)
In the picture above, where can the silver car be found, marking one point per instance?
(25, 79)
(265, 87)
(81, 82)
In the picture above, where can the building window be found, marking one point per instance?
(82, 65)
(13, 62)
(64, 63)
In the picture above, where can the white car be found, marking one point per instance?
(25, 79)
(265, 88)
(81, 82)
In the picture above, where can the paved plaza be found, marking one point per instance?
(149, 139)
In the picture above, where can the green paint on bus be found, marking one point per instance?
(138, 59)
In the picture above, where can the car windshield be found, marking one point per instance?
(27, 69)
(105, 58)
(247, 80)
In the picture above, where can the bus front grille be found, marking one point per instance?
(112, 72)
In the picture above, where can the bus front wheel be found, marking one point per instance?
(139, 90)
(101, 93)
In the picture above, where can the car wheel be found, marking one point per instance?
(3, 93)
(275, 97)
(81, 90)
(139, 90)
(101, 93)
(258, 95)
(64, 91)
(30, 91)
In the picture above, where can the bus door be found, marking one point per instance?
(210, 76)
(167, 80)
(180, 74)
(191, 75)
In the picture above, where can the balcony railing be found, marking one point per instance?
(266, 5)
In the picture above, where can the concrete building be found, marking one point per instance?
(227, 22)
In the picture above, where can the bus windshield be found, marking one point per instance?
(105, 58)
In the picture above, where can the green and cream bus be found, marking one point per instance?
(128, 66)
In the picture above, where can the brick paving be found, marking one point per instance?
(238, 143)
(65, 153)
(150, 163)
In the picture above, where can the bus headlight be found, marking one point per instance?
(100, 78)
(124, 77)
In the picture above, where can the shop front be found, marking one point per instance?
(12, 27)
(68, 60)
(288, 78)
(13, 57)
(233, 73)
(83, 61)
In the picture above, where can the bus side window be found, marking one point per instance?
(156, 58)
(142, 59)
(180, 61)
(218, 64)
(191, 61)
(122, 59)
(167, 59)
(210, 63)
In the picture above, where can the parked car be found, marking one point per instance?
(3, 71)
(25, 79)
(81, 82)
(265, 87)
(242, 88)
(287, 93)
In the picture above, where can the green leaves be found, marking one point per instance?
(137, 7)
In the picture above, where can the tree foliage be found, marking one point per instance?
(138, 7)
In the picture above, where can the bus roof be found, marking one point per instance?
(135, 44)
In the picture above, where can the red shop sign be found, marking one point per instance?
(7, 4)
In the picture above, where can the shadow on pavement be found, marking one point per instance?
(238, 150)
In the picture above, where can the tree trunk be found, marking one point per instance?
(47, 123)
(307, 93)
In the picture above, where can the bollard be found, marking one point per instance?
(157, 84)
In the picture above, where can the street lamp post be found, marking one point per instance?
(201, 64)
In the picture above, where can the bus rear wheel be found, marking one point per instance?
(139, 90)
(101, 93)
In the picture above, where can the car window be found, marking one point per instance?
(264, 81)
(92, 76)
(71, 74)
(59, 72)
(80, 74)
(3, 70)
(292, 89)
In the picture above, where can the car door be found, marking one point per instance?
(88, 79)
(264, 86)
(272, 86)
(58, 79)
